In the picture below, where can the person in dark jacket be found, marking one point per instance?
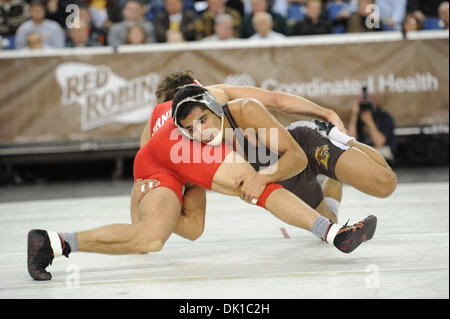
(372, 125)
(312, 24)
(174, 20)
(12, 14)
(357, 21)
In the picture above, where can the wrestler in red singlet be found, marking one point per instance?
(173, 159)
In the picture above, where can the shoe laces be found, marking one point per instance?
(353, 227)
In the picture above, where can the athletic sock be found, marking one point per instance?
(338, 136)
(321, 227)
(71, 239)
(325, 229)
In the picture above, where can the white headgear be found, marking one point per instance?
(209, 102)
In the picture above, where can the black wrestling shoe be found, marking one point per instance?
(324, 126)
(348, 238)
(40, 254)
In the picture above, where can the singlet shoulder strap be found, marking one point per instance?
(243, 141)
(226, 111)
(236, 129)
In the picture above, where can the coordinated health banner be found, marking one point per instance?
(81, 97)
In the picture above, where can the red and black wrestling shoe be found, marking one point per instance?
(40, 254)
(348, 238)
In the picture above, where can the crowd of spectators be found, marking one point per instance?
(46, 24)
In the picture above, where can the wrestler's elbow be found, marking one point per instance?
(278, 100)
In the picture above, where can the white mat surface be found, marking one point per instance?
(242, 253)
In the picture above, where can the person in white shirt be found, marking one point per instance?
(133, 13)
(392, 12)
(223, 28)
(263, 24)
(50, 32)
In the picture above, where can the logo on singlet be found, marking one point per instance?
(161, 120)
(322, 154)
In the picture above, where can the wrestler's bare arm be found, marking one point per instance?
(285, 102)
(293, 160)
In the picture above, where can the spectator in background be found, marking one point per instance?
(153, 7)
(443, 14)
(296, 2)
(204, 24)
(56, 11)
(424, 8)
(80, 37)
(34, 42)
(295, 11)
(179, 23)
(136, 35)
(133, 13)
(237, 5)
(312, 24)
(99, 15)
(12, 14)
(392, 13)
(411, 23)
(104, 13)
(301, 2)
(3, 43)
(173, 36)
(279, 22)
(278, 6)
(373, 126)
(358, 21)
(339, 21)
(50, 32)
(96, 35)
(223, 28)
(263, 24)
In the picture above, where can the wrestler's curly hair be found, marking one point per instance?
(170, 83)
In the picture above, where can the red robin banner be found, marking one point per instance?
(84, 96)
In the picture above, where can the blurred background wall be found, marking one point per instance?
(77, 109)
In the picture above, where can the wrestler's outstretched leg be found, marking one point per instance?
(292, 210)
(158, 213)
